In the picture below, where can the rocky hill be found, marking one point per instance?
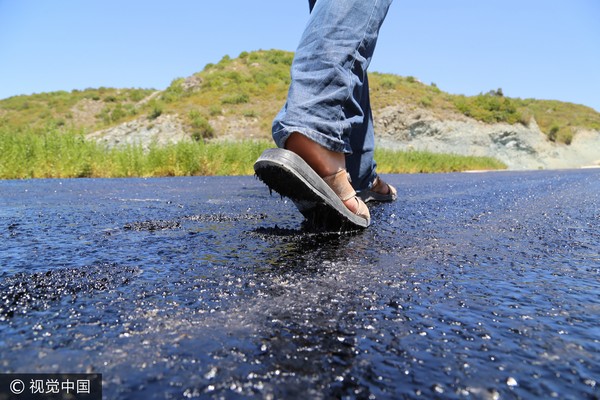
(237, 99)
(519, 146)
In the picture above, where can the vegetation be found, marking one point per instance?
(44, 133)
(559, 120)
(255, 85)
(60, 154)
(490, 107)
(200, 127)
(61, 109)
(393, 162)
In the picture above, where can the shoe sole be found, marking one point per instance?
(289, 175)
(369, 195)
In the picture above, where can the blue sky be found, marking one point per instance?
(545, 49)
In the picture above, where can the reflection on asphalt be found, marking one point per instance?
(470, 285)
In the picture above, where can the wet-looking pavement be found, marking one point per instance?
(477, 286)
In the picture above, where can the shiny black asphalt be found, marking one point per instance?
(482, 286)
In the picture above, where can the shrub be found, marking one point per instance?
(388, 82)
(566, 136)
(112, 114)
(426, 101)
(215, 110)
(174, 92)
(236, 98)
(138, 94)
(117, 113)
(553, 133)
(201, 128)
(130, 109)
(525, 118)
(488, 108)
(156, 111)
(225, 61)
(460, 102)
(498, 93)
(279, 57)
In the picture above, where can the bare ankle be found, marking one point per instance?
(324, 161)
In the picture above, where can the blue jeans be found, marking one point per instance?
(328, 99)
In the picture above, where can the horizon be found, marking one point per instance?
(537, 49)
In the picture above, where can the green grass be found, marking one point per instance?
(395, 162)
(59, 154)
(42, 135)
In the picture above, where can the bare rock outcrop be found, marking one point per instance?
(518, 146)
(398, 127)
(164, 129)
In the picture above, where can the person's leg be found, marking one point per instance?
(361, 164)
(329, 73)
(324, 99)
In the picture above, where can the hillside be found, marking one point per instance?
(238, 98)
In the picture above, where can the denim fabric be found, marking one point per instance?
(328, 99)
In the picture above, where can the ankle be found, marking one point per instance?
(324, 161)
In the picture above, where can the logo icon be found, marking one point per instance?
(17, 386)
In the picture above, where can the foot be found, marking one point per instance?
(319, 199)
(327, 164)
(379, 191)
(381, 187)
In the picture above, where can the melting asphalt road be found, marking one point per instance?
(478, 286)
